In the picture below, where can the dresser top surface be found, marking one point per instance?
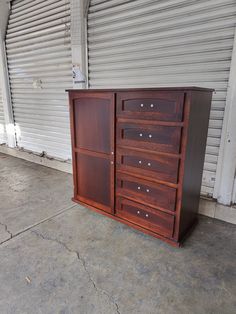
(185, 88)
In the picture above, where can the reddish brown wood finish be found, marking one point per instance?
(92, 130)
(150, 166)
(146, 217)
(160, 146)
(148, 105)
(146, 192)
(153, 138)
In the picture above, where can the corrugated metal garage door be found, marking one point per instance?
(39, 61)
(165, 43)
(2, 121)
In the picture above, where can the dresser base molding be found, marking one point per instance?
(172, 242)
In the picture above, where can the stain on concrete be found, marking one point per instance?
(80, 262)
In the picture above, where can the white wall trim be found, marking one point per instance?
(7, 105)
(225, 174)
(61, 165)
(215, 210)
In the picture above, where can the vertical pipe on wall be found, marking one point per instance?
(78, 39)
(7, 105)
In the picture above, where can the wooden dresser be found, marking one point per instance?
(138, 155)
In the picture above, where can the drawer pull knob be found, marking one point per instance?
(112, 153)
(138, 212)
(112, 162)
(152, 106)
(140, 161)
(148, 190)
(141, 105)
(150, 135)
(149, 164)
(147, 215)
(140, 134)
(139, 188)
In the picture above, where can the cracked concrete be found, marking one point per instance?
(83, 264)
(79, 262)
(30, 193)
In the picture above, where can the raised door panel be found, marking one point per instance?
(92, 129)
(94, 181)
(92, 118)
(159, 105)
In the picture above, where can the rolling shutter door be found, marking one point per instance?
(165, 43)
(39, 62)
(3, 138)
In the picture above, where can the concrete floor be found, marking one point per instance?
(57, 257)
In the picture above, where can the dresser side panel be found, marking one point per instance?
(200, 104)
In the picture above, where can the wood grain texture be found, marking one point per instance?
(152, 138)
(144, 216)
(151, 166)
(163, 106)
(138, 155)
(199, 103)
(143, 191)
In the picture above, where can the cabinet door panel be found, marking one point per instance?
(92, 128)
(94, 181)
(92, 124)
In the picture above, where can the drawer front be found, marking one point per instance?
(157, 195)
(163, 106)
(160, 138)
(148, 165)
(146, 217)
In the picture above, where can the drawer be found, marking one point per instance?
(161, 105)
(153, 166)
(146, 217)
(152, 194)
(151, 137)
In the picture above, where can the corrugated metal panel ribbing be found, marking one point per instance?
(165, 43)
(2, 121)
(39, 62)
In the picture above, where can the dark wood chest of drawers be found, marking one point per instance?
(138, 155)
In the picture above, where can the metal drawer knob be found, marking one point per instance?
(140, 161)
(150, 135)
(140, 134)
(138, 212)
(141, 105)
(151, 105)
(147, 190)
(147, 215)
(149, 164)
(112, 162)
(139, 187)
